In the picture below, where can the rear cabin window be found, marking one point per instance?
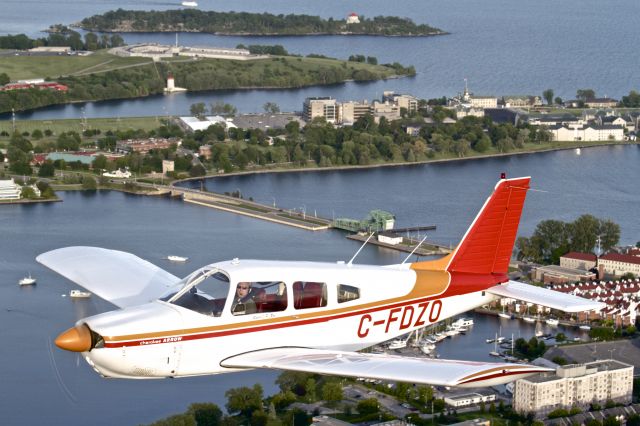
(308, 294)
(347, 293)
(258, 297)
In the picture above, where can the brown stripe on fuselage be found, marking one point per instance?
(429, 284)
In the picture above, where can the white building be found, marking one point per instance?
(321, 107)
(191, 124)
(353, 18)
(575, 385)
(120, 174)
(9, 190)
(587, 133)
(390, 238)
(471, 398)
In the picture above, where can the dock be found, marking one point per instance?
(407, 246)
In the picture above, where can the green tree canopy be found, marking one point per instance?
(244, 400)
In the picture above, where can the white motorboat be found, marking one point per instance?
(494, 353)
(504, 315)
(397, 344)
(462, 322)
(189, 4)
(79, 294)
(173, 258)
(585, 327)
(28, 280)
(529, 319)
(552, 321)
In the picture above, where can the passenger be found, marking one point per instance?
(243, 297)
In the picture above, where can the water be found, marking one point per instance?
(66, 391)
(502, 47)
(449, 194)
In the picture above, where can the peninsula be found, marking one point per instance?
(105, 76)
(253, 24)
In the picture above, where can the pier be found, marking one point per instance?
(407, 245)
(246, 208)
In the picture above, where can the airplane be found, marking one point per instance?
(302, 316)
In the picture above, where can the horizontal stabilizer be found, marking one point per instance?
(116, 276)
(385, 367)
(545, 297)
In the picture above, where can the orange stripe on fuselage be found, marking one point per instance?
(429, 285)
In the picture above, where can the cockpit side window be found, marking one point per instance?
(258, 297)
(347, 293)
(207, 296)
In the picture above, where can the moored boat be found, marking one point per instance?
(28, 280)
(552, 321)
(529, 319)
(189, 4)
(177, 258)
(79, 294)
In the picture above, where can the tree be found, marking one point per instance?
(4, 79)
(548, 96)
(205, 413)
(368, 406)
(46, 169)
(28, 192)
(222, 108)
(585, 94)
(271, 108)
(584, 232)
(244, 400)
(558, 100)
(332, 392)
(609, 233)
(198, 109)
(89, 183)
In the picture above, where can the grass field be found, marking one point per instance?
(59, 126)
(28, 67)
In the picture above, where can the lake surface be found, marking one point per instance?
(43, 384)
(502, 47)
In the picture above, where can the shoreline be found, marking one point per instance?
(415, 163)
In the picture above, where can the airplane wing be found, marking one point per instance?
(545, 297)
(118, 277)
(384, 367)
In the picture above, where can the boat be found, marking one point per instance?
(552, 321)
(529, 319)
(578, 151)
(397, 344)
(585, 327)
(189, 4)
(79, 294)
(28, 280)
(462, 322)
(173, 258)
(539, 333)
(504, 314)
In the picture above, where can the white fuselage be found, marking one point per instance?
(162, 339)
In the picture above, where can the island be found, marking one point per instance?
(252, 24)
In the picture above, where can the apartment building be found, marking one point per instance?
(575, 385)
(321, 107)
(351, 111)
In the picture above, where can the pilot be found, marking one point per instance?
(243, 302)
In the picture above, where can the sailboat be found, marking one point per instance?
(28, 280)
(495, 352)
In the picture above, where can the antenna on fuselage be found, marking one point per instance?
(414, 250)
(360, 249)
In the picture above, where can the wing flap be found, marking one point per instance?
(542, 296)
(116, 276)
(384, 367)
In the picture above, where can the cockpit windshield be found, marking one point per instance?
(204, 291)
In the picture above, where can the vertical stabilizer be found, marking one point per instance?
(486, 247)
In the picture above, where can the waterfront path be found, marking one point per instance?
(246, 208)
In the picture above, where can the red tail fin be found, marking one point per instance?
(486, 247)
